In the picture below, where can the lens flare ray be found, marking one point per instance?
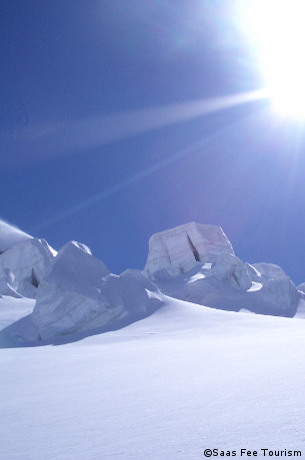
(141, 175)
(68, 137)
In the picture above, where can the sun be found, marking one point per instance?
(279, 33)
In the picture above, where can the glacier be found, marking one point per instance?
(23, 266)
(99, 365)
(204, 269)
(74, 292)
(177, 250)
(79, 293)
(169, 386)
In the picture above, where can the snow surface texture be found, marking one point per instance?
(79, 293)
(185, 379)
(23, 266)
(175, 251)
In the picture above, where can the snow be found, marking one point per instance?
(230, 284)
(301, 287)
(10, 235)
(79, 293)
(11, 310)
(23, 266)
(76, 292)
(229, 268)
(269, 271)
(300, 313)
(129, 368)
(8, 283)
(177, 250)
(169, 386)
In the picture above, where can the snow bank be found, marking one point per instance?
(79, 294)
(10, 235)
(175, 251)
(23, 266)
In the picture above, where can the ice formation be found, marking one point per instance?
(214, 276)
(23, 266)
(175, 251)
(75, 292)
(269, 271)
(79, 293)
(229, 268)
(301, 287)
(8, 284)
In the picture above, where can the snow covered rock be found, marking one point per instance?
(10, 235)
(27, 262)
(80, 294)
(175, 251)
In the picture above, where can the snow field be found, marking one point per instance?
(166, 387)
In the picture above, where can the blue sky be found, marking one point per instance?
(96, 144)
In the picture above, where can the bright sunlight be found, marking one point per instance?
(278, 30)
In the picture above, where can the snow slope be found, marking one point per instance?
(185, 379)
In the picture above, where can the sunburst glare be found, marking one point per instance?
(278, 30)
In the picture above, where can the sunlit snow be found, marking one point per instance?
(138, 374)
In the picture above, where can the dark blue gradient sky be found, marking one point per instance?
(85, 154)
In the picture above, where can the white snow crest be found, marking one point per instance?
(10, 235)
